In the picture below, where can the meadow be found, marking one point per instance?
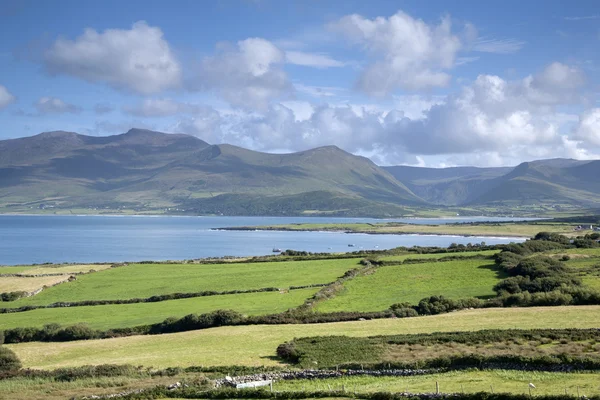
(510, 229)
(14, 270)
(17, 284)
(436, 256)
(67, 269)
(546, 383)
(412, 282)
(255, 345)
(146, 280)
(106, 317)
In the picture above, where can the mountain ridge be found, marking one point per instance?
(148, 170)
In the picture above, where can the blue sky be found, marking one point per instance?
(432, 83)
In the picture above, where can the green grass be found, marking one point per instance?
(413, 282)
(127, 315)
(547, 383)
(480, 229)
(414, 256)
(15, 269)
(255, 345)
(145, 280)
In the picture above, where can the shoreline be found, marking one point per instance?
(283, 229)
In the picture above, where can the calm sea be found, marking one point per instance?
(56, 239)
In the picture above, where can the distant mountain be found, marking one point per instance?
(151, 170)
(557, 181)
(447, 186)
(547, 182)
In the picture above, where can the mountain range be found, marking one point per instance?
(147, 171)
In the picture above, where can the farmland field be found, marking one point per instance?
(29, 284)
(255, 345)
(145, 280)
(412, 282)
(14, 270)
(546, 383)
(128, 315)
(67, 269)
(518, 229)
(413, 256)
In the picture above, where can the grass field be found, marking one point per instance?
(255, 344)
(412, 282)
(67, 269)
(126, 315)
(24, 388)
(14, 270)
(433, 256)
(546, 383)
(482, 229)
(16, 284)
(145, 280)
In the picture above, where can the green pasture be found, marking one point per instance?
(413, 282)
(434, 256)
(128, 315)
(255, 345)
(15, 270)
(146, 280)
(500, 381)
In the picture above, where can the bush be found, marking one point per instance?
(75, 332)
(288, 352)
(8, 360)
(12, 296)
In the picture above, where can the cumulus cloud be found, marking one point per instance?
(53, 105)
(557, 83)
(5, 97)
(248, 74)
(588, 128)
(316, 60)
(490, 121)
(162, 108)
(138, 59)
(408, 53)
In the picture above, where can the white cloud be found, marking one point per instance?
(588, 129)
(53, 105)
(498, 46)
(489, 122)
(5, 97)
(316, 60)
(162, 108)
(557, 83)
(247, 75)
(138, 59)
(408, 53)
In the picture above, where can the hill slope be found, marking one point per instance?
(543, 182)
(152, 170)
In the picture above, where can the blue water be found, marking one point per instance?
(56, 239)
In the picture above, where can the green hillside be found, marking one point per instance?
(143, 171)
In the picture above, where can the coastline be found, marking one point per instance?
(333, 230)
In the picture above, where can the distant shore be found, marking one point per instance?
(479, 229)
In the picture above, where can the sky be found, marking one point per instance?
(423, 83)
